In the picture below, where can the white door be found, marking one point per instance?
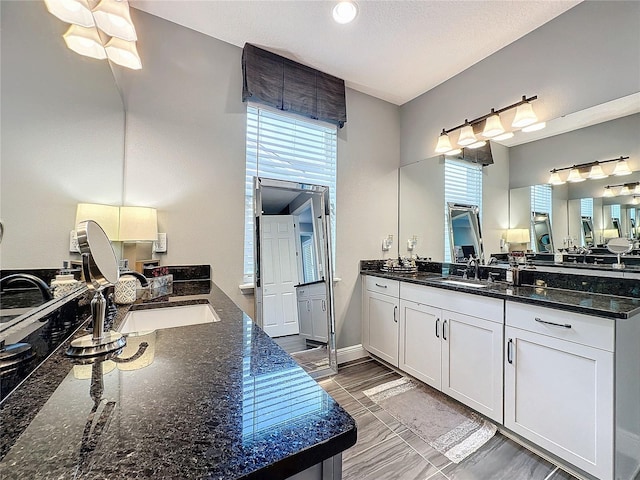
(279, 276)
(559, 395)
(420, 345)
(472, 362)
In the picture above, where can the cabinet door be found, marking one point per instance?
(381, 323)
(420, 348)
(304, 318)
(319, 318)
(472, 363)
(559, 394)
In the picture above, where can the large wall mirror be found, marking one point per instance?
(62, 137)
(465, 236)
(293, 273)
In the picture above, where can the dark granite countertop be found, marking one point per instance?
(601, 305)
(219, 400)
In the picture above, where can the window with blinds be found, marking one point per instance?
(541, 199)
(586, 207)
(462, 184)
(285, 147)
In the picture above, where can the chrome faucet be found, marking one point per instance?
(38, 282)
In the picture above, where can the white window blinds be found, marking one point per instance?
(462, 184)
(541, 199)
(586, 207)
(284, 147)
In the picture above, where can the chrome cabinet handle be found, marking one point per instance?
(444, 330)
(381, 286)
(566, 325)
(509, 351)
(324, 306)
(395, 310)
(437, 324)
(308, 305)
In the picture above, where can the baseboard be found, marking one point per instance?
(353, 352)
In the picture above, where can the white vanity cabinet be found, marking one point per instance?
(380, 318)
(312, 311)
(559, 384)
(453, 342)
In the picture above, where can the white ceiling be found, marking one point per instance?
(394, 50)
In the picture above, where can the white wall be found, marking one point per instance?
(185, 155)
(62, 137)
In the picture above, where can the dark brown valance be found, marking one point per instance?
(278, 82)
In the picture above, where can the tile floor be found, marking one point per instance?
(388, 450)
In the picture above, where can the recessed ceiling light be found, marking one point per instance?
(345, 12)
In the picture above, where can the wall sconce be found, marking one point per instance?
(591, 170)
(386, 243)
(624, 189)
(525, 119)
(93, 23)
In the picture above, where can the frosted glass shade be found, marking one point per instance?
(467, 137)
(107, 216)
(622, 168)
(114, 19)
(518, 235)
(524, 116)
(76, 12)
(625, 191)
(575, 176)
(555, 179)
(607, 192)
(493, 126)
(123, 53)
(597, 172)
(637, 189)
(444, 144)
(138, 224)
(85, 41)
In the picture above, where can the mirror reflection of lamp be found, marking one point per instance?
(518, 236)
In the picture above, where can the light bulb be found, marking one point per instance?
(444, 144)
(345, 12)
(467, 137)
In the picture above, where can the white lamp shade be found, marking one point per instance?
(444, 144)
(524, 116)
(555, 179)
(493, 126)
(76, 12)
(607, 192)
(114, 19)
(123, 53)
(85, 41)
(597, 172)
(138, 224)
(107, 216)
(504, 136)
(518, 235)
(637, 189)
(625, 191)
(622, 168)
(575, 176)
(467, 137)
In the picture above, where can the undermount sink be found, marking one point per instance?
(462, 283)
(168, 317)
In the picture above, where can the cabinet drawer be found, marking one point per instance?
(574, 327)
(460, 302)
(382, 285)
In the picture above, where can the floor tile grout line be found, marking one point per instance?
(365, 381)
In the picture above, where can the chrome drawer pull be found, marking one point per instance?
(381, 286)
(566, 325)
(437, 325)
(509, 353)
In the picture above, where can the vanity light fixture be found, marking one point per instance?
(492, 127)
(607, 192)
(99, 30)
(624, 189)
(345, 12)
(591, 170)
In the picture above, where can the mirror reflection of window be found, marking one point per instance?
(587, 231)
(464, 228)
(541, 227)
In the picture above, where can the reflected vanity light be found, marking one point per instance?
(596, 171)
(492, 126)
(623, 189)
(76, 12)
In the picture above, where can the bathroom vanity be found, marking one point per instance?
(218, 399)
(557, 369)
